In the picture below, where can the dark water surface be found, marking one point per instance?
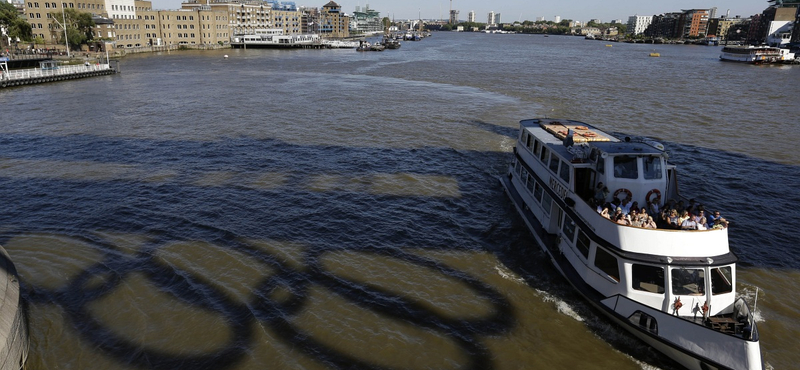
(317, 209)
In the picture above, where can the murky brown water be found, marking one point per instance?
(332, 209)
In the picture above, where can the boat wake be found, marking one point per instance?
(562, 306)
(508, 275)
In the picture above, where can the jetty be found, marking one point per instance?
(51, 71)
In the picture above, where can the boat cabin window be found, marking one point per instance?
(554, 162)
(625, 167)
(537, 147)
(565, 172)
(523, 173)
(545, 155)
(537, 192)
(644, 321)
(517, 167)
(568, 229)
(721, 280)
(647, 278)
(651, 167)
(583, 243)
(607, 263)
(601, 166)
(530, 184)
(688, 281)
(547, 202)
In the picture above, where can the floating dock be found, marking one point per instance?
(50, 71)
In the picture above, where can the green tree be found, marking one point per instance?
(79, 26)
(16, 26)
(386, 23)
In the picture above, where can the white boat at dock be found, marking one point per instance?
(673, 288)
(756, 54)
(276, 38)
(51, 71)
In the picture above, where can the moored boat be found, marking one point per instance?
(756, 54)
(275, 38)
(673, 288)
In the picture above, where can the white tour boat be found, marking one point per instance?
(756, 54)
(674, 289)
(275, 38)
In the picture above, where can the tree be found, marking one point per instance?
(79, 26)
(16, 26)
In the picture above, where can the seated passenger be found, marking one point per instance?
(701, 224)
(684, 216)
(720, 223)
(634, 218)
(650, 224)
(688, 224)
(604, 213)
(672, 219)
(712, 217)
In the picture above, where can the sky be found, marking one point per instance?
(514, 10)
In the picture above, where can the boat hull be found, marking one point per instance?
(739, 353)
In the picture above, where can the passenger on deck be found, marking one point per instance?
(634, 217)
(650, 224)
(688, 223)
(626, 206)
(672, 219)
(683, 217)
(635, 205)
(620, 219)
(720, 223)
(712, 217)
(604, 213)
(600, 193)
(701, 220)
(653, 208)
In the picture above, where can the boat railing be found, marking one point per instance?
(60, 71)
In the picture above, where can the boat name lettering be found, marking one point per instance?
(558, 188)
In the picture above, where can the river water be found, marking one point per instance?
(328, 209)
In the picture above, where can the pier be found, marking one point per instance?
(50, 71)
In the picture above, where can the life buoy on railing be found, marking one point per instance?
(657, 199)
(626, 191)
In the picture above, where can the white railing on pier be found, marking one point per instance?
(60, 71)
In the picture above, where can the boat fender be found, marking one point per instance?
(626, 191)
(570, 202)
(657, 199)
(4, 84)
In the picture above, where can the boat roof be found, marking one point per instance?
(585, 133)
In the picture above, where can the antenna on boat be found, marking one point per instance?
(753, 315)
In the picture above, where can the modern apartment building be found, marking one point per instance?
(638, 23)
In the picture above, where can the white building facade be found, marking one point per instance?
(638, 23)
